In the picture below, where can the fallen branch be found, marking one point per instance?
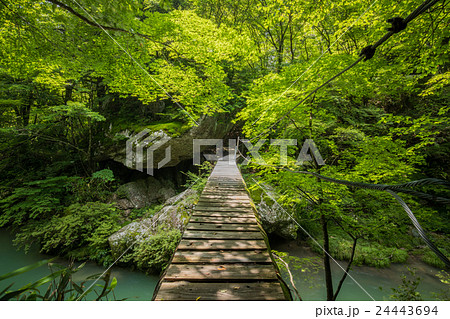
(290, 275)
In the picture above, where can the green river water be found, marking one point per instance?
(376, 282)
(135, 285)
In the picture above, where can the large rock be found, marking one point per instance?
(174, 215)
(181, 147)
(143, 192)
(275, 221)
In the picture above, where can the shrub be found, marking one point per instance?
(34, 200)
(431, 259)
(82, 229)
(372, 255)
(95, 188)
(154, 252)
(407, 290)
(42, 199)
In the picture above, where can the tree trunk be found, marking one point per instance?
(279, 58)
(355, 239)
(101, 93)
(326, 258)
(68, 92)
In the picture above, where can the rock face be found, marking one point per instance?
(181, 148)
(275, 221)
(143, 192)
(174, 215)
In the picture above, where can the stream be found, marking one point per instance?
(132, 285)
(136, 285)
(377, 282)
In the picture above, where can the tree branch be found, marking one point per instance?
(290, 275)
(105, 27)
(91, 23)
(346, 270)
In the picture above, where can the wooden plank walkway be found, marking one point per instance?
(222, 254)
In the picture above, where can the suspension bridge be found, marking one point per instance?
(223, 254)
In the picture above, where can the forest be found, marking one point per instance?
(79, 78)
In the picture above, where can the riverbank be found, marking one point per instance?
(367, 283)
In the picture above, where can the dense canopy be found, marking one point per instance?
(78, 77)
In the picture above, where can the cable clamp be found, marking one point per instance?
(397, 24)
(368, 52)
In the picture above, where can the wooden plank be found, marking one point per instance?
(224, 189)
(220, 181)
(224, 192)
(221, 234)
(226, 213)
(224, 202)
(216, 196)
(223, 220)
(223, 214)
(230, 227)
(222, 209)
(230, 272)
(238, 205)
(222, 185)
(226, 199)
(235, 212)
(252, 256)
(220, 195)
(217, 244)
(184, 290)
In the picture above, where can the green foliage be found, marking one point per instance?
(97, 188)
(35, 200)
(73, 111)
(60, 285)
(308, 266)
(41, 199)
(370, 254)
(431, 259)
(444, 277)
(197, 181)
(407, 291)
(80, 230)
(154, 252)
(104, 176)
(69, 97)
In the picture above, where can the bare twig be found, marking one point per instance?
(290, 275)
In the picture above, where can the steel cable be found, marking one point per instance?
(365, 54)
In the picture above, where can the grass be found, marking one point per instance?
(374, 255)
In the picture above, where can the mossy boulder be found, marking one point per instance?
(180, 143)
(275, 221)
(173, 216)
(143, 192)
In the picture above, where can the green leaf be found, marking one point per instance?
(25, 269)
(113, 283)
